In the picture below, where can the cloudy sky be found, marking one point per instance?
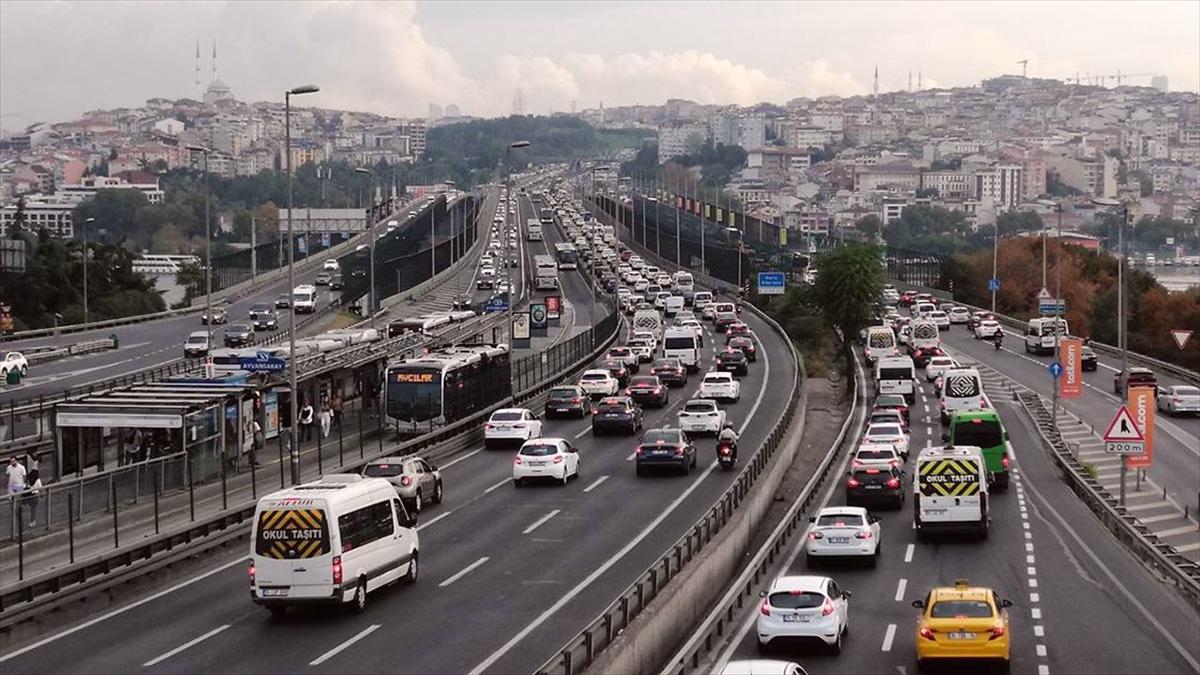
(58, 59)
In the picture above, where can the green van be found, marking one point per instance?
(984, 429)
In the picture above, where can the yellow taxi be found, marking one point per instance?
(962, 622)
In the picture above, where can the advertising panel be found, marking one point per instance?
(1071, 356)
(1141, 404)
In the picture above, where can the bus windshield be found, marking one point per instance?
(414, 394)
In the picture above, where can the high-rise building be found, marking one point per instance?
(435, 111)
(1159, 82)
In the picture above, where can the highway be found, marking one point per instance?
(1082, 604)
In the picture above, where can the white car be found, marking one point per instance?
(804, 607)
(842, 532)
(196, 345)
(888, 433)
(709, 311)
(599, 383)
(938, 365)
(640, 285)
(701, 415)
(510, 425)
(14, 361)
(941, 319)
(542, 458)
(763, 667)
(624, 355)
(643, 348)
(1179, 399)
(720, 386)
(987, 328)
(645, 335)
(959, 315)
(876, 456)
(331, 265)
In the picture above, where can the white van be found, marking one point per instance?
(922, 309)
(673, 305)
(648, 320)
(330, 542)
(896, 375)
(304, 299)
(1040, 334)
(684, 281)
(700, 299)
(962, 389)
(681, 342)
(881, 341)
(951, 490)
(925, 334)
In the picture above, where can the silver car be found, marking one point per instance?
(1180, 399)
(417, 482)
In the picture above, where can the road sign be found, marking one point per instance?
(771, 283)
(496, 304)
(1044, 294)
(262, 362)
(1181, 337)
(537, 315)
(1123, 436)
(993, 284)
(1055, 369)
(1055, 306)
(553, 307)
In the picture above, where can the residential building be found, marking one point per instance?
(892, 175)
(1002, 184)
(676, 139)
(949, 184)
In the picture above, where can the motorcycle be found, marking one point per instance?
(998, 340)
(725, 455)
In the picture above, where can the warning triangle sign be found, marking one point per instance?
(1044, 294)
(1181, 337)
(1123, 428)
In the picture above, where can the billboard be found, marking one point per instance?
(1141, 404)
(553, 307)
(520, 325)
(1071, 356)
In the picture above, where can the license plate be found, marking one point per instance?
(873, 487)
(274, 592)
(795, 618)
(563, 409)
(962, 636)
(935, 512)
(612, 414)
(537, 464)
(839, 540)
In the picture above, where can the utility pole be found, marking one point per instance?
(678, 209)
(1122, 326)
(87, 222)
(370, 229)
(995, 256)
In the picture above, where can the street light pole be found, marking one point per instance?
(509, 231)
(995, 256)
(294, 440)
(1121, 310)
(207, 246)
(370, 228)
(1057, 298)
(85, 267)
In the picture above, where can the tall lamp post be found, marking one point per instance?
(291, 364)
(87, 222)
(370, 227)
(995, 258)
(207, 246)
(509, 230)
(1122, 338)
(1057, 206)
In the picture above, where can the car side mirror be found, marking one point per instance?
(409, 520)
(812, 519)
(847, 595)
(1006, 603)
(762, 594)
(919, 604)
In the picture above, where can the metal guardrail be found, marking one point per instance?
(581, 650)
(1181, 572)
(43, 592)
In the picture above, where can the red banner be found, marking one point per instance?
(1071, 356)
(1141, 405)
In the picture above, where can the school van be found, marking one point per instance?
(962, 390)
(881, 341)
(924, 334)
(648, 320)
(304, 299)
(896, 375)
(1040, 334)
(684, 281)
(923, 309)
(673, 305)
(951, 491)
(330, 542)
(681, 342)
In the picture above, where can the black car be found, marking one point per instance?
(921, 357)
(744, 343)
(671, 372)
(1088, 359)
(618, 370)
(219, 315)
(732, 361)
(648, 390)
(892, 402)
(336, 282)
(568, 400)
(238, 335)
(616, 413)
(665, 448)
(865, 487)
(262, 317)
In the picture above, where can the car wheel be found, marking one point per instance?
(411, 576)
(874, 562)
(566, 477)
(437, 493)
(417, 503)
(359, 604)
(517, 482)
(277, 611)
(836, 647)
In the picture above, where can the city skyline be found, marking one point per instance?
(397, 58)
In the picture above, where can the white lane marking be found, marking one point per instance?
(1033, 582)
(900, 589)
(1029, 547)
(926, 409)
(463, 572)
(908, 553)
(452, 462)
(497, 485)
(631, 456)
(187, 645)
(583, 433)
(1031, 571)
(104, 617)
(342, 647)
(888, 637)
(1039, 631)
(431, 522)
(541, 521)
(1029, 560)
(1035, 613)
(1034, 597)
(595, 484)
(1043, 669)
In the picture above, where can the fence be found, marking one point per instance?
(529, 371)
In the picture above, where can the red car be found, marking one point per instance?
(907, 298)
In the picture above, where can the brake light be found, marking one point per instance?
(406, 481)
(765, 608)
(679, 452)
(1004, 460)
(337, 570)
(863, 535)
(517, 459)
(577, 400)
(638, 450)
(628, 391)
(827, 608)
(856, 463)
(997, 631)
(872, 472)
(926, 633)
(853, 483)
(489, 426)
(519, 426)
(893, 483)
(252, 574)
(813, 536)
(558, 459)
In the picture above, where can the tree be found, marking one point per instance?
(951, 164)
(849, 287)
(114, 210)
(1012, 222)
(1056, 188)
(869, 225)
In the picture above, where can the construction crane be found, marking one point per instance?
(1024, 65)
(1103, 79)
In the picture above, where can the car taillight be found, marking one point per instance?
(253, 574)
(927, 633)
(337, 569)
(489, 426)
(628, 391)
(827, 608)
(517, 459)
(406, 480)
(997, 631)
(893, 483)
(658, 390)
(764, 608)
(558, 459)
(518, 426)
(813, 536)
(1004, 460)
(679, 452)
(852, 483)
(863, 535)
(577, 400)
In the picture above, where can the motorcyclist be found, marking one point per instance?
(998, 338)
(729, 436)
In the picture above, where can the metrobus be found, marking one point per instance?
(546, 216)
(545, 273)
(567, 255)
(445, 385)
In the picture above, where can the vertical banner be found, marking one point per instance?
(1141, 405)
(1071, 380)
(553, 307)
(720, 215)
(271, 414)
(783, 237)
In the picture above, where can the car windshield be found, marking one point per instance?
(611, 408)
(666, 364)
(644, 381)
(561, 394)
(259, 308)
(539, 449)
(595, 376)
(383, 470)
(506, 416)
(979, 432)
(839, 520)
(796, 600)
(884, 430)
(1187, 391)
(666, 436)
(960, 609)
(875, 454)
(239, 328)
(889, 401)
(699, 407)
(717, 379)
(198, 339)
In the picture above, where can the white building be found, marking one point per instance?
(88, 187)
(673, 140)
(51, 213)
(1003, 184)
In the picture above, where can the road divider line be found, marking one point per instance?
(1039, 631)
(541, 521)
(888, 636)
(452, 462)
(900, 587)
(596, 483)
(464, 572)
(342, 647)
(431, 522)
(908, 553)
(1035, 613)
(187, 645)
(583, 433)
(497, 485)
(631, 456)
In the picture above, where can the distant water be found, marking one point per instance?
(171, 291)
(1176, 278)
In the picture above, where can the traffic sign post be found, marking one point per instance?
(1123, 437)
(993, 284)
(262, 362)
(1181, 337)
(1052, 306)
(1055, 369)
(495, 304)
(772, 283)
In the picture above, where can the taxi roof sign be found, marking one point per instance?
(1123, 427)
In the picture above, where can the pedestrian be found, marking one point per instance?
(306, 422)
(336, 404)
(32, 495)
(257, 443)
(132, 451)
(326, 419)
(16, 476)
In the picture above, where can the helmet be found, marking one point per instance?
(727, 425)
